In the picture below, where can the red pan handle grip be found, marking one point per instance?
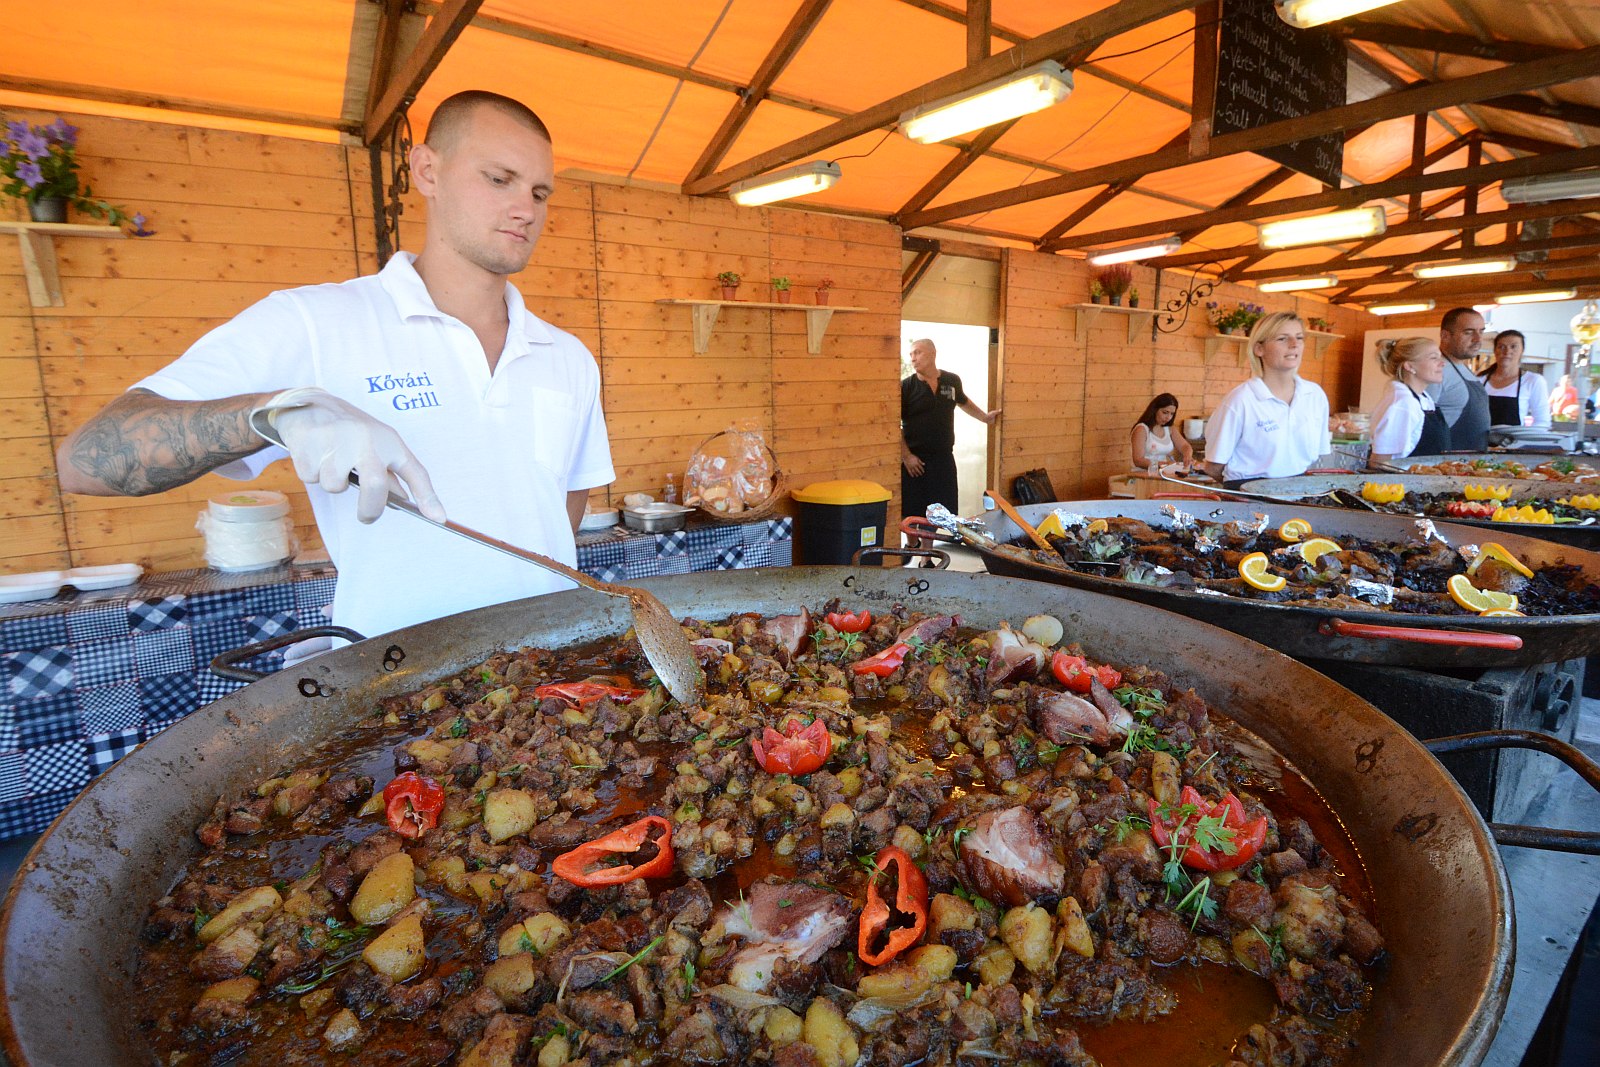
(1184, 496)
(1459, 638)
(919, 526)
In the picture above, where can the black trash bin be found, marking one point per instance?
(839, 518)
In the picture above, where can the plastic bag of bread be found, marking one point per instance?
(732, 472)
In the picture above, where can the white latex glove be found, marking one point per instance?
(328, 438)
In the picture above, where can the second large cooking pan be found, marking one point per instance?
(75, 911)
(1317, 486)
(1321, 633)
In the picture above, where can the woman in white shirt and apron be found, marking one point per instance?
(1406, 422)
(1516, 397)
(1155, 442)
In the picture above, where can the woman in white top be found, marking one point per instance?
(1155, 444)
(1516, 397)
(1406, 421)
(1274, 426)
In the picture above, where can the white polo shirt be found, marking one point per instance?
(503, 449)
(1253, 434)
(1397, 421)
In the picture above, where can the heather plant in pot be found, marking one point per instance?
(1115, 280)
(822, 290)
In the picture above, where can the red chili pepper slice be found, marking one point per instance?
(1076, 673)
(884, 663)
(797, 750)
(910, 902)
(848, 622)
(412, 804)
(581, 693)
(1248, 836)
(597, 862)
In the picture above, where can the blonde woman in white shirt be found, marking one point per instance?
(1275, 425)
(1406, 421)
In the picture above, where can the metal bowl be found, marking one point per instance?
(656, 518)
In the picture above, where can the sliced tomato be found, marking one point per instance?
(797, 750)
(1077, 673)
(1169, 826)
(884, 663)
(581, 693)
(412, 804)
(848, 622)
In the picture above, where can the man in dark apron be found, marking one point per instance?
(1461, 397)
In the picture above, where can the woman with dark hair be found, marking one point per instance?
(1516, 397)
(1155, 444)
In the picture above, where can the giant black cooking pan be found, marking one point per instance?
(1317, 485)
(74, 913)
(1431, 642)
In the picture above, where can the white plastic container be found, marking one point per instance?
(247, 531)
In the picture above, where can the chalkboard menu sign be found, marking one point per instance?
(1268, 71)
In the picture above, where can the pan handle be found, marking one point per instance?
(226, 664)
(877, 553)
(1184, 496)
(1586, 842)
(1458, 638)
(919, 526)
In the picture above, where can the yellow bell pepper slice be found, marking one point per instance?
(1486, 492)
(1383, 493)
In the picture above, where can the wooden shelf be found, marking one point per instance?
(705, 318)
(1085, 314)
(1320, 340)
(39, 254)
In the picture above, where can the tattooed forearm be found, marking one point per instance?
(142, 443)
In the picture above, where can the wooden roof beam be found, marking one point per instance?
(1561, 111)
(1406, 102)
(402, 87)
(789, 41)
(1504, 248)
(915, 271)
(1522, 143)
(980, 29)
(1489, 286)
(1099, 200)
(1429, 40)
(954, 167)
(1086, 32)
(172, 103)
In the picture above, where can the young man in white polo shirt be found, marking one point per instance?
(1274, 426)
(431, 373)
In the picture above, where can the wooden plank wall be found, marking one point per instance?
(1070, 408)
(237, 216)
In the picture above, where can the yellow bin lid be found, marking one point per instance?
(844, 491)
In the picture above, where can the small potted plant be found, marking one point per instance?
(1133, 298)
(729, 280)
(1316, 322)
(1236, 319)
(1096, 294)
(39, 165)
(822, 290)
(1115, 280)
(780, 286)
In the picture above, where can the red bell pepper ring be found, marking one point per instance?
(412, 804)
(910, 905)
(1077, 674)
(580, 694)
(848, 622)
(1246, 840)
(797, 750)
(884, 663)
(598, 863)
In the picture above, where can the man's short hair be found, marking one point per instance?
(452, 117)
(1453, 316)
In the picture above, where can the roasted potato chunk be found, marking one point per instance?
(388, 887)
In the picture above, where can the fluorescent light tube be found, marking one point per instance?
(1543, 187)
(1290, 285)
(810, 177)
(1463, 267)
(1401, 309)
(1133, 253)
(1305, 13)
(1536, 298)
(1323, 229)
(1028, 90)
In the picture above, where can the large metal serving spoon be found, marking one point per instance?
(665, 646)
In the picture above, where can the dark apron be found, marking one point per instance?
(1435, 431)
(1505, 410)
(1470, 431)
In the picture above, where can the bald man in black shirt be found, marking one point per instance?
(928, 402)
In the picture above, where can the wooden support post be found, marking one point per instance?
(1206, 19)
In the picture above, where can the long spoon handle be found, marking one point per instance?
(1016, 516)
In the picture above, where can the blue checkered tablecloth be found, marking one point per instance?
(86, 678)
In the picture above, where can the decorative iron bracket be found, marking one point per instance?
(386, 198)
(1177, 311)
